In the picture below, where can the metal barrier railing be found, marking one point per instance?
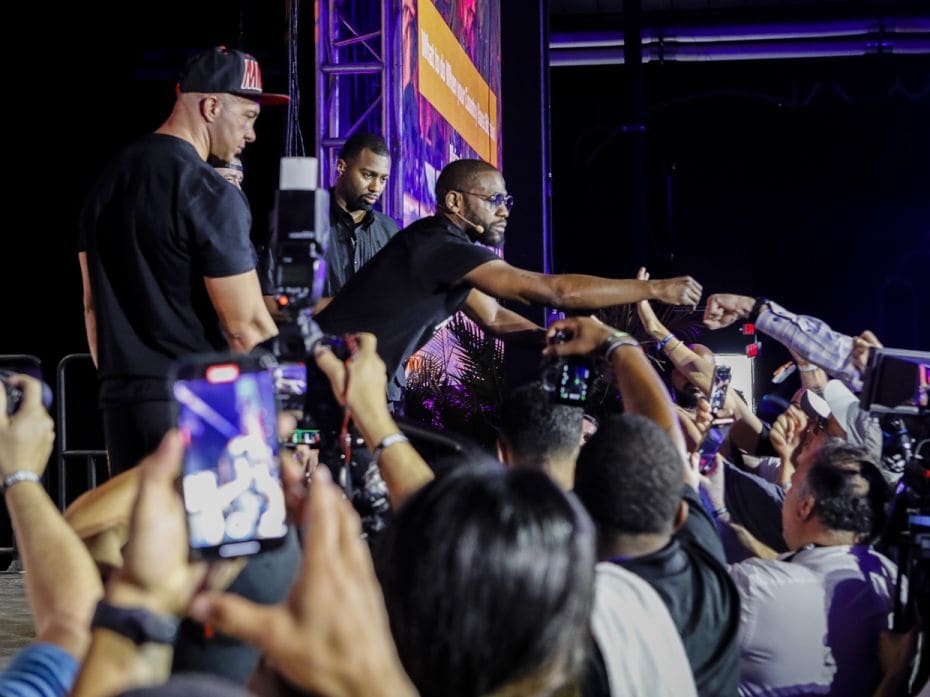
(65, 453)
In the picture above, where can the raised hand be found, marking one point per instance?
(681, 290)
(862, 344)
(787, 431)
(586, 334)
(646, 314)
(331, 637)
(723, 309)
(27, 435)
(365, 373)
(156, 571)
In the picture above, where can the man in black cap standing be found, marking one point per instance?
(167, 265)
(168, 269)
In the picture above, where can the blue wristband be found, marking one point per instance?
(662, 344)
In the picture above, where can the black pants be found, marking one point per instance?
(132, 431)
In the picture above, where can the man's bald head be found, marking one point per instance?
(460, 175)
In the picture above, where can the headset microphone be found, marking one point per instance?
(478, 228)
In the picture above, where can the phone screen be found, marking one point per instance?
(713, 441)
(718, 390)
(231, 478)
(574, 383)
(290, 384)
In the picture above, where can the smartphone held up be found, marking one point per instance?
(231, 476)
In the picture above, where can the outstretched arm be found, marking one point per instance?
(811, 339)
(499, 279)
(502, 323)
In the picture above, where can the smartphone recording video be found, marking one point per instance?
(718, 388)
(713, 441)
(231, 477)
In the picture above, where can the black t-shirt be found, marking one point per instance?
(408, 289)
(690, 577)
(158, 220)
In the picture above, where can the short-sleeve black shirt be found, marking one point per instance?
(155, 224)
(690, 577)
(408, 289)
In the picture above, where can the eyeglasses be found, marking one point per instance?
(496, 200)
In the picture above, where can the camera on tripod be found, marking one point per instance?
(896, 384)
(299, 246)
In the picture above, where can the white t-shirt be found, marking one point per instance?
(810, 620)
(642, 650)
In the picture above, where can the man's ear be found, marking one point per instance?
(451, 201)
(210, 108)
(681, 515)
(340, 166)
(806, 507)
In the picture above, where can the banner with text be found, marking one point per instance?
(451, 83)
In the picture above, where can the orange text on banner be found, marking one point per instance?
(452, 84)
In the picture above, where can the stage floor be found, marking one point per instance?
(16, 629)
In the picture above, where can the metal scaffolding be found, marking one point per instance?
(357, 83)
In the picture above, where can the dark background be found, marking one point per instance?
(807, 181)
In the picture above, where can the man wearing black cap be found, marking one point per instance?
(167, 265)
(168, 270)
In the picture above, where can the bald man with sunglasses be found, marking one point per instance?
(446, 263)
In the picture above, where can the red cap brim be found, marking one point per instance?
(271, 99)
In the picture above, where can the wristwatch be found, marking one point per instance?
(136, 623)
(756, 309)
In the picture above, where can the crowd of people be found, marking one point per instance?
(587, 558)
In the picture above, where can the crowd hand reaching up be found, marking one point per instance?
(647, 315)
(862, 344)
(785, 436)
(787, 431)
(695, 425)
(157, 572)
(364, 371)
(681, 290)
(723, 309)
(26, 437)
(586, 335)
(331, 636)
(360, 383)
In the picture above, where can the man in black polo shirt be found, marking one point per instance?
(357, 231)
(629, 476)
(433, 268)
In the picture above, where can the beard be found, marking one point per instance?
(358, 204)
